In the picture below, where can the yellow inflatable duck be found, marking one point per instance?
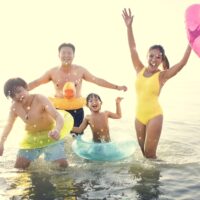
(69, 90)
(70, 101)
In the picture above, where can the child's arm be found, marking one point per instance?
(118, 113)
(82, 126)
(167, 74)
(55, 133)
(11, 119)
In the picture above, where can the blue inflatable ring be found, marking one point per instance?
(109, 151)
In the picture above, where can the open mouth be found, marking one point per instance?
(94, 106)
(66, 60)
(153, 64)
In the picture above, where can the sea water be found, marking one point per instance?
(174, 175)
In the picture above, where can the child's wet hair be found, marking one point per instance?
(11, 85)
(92, 95)
(164, 57)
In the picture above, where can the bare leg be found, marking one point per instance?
(62, 163)
(154, 128)
(22, 163)
(141, 134)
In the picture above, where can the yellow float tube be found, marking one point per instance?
(69, 101)
(39, 139)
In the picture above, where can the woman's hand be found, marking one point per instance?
(127, 16)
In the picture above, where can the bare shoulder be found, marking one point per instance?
(79, 68)
(13, 110)
(53, 70)
(163, 76)
(42, 102)
(40, 98)
(13, 107)
(106, 113)
(162, 73)
(140, 69)
(87, 117)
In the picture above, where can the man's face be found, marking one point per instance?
(66, 55)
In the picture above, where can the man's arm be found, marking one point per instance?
(101, 82)
(42, 80)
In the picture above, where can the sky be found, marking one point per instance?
(32, 30)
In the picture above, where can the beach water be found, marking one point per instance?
(174, 175)
(31, 32)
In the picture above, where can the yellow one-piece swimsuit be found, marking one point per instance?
(147, 90)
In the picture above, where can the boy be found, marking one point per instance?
(43, 124)
(98, 120)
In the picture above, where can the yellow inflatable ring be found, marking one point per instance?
(68, 104)
(39, 139)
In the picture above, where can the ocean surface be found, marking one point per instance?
(173, 176)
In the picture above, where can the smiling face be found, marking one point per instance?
(94, 102)
(20, 94)
(16, 88)
(155, 58)
(66, 55)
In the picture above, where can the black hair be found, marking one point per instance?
(66, 45)
(11, 85)
(91, 95)
(164, 57)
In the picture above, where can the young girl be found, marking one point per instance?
(149, 82)
(98, 120)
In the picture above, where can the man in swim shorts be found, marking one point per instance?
(44, 126)
(68, 72)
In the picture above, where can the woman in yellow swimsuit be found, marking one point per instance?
(149, 115)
